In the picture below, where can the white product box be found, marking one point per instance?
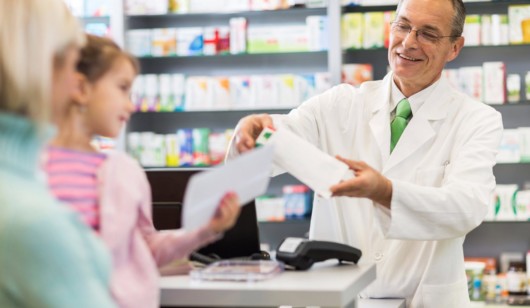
(499, 29)
(506, 198)
(163, 42)
(164, 92)
(189, 41)
(452, 76)
(97, 8)
(289, 38)
(524, 144)
(219, 91)
(471, 81)
(288, 91)
(138, 91)
(178, 89)
(139, 42)
(197, 93)
(485, 30)
(238, 35)
(151, 101)
(317, 33)
(146, 7)
(240, 92)
(494, 86)
(517, 14)
(510, 149)
(472, 30)
(264, 91)
(513, 88)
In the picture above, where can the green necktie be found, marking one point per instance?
(397, 127)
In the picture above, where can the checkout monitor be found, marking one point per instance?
(168, 188)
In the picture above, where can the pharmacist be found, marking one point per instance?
(422, 153)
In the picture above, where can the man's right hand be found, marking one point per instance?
(249, 129)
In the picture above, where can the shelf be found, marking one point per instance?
(173, 169)
(308, 11)
(243, 64)
(499, 222)
(224, 56)
(290, 16)
(483, 7)
(221, 111)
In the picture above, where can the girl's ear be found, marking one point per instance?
(81, 92)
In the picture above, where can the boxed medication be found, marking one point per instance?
(317, 32)
(163, 42)
(139, 42)
(494, 86)
(238, 35)
(352, 31)
(374, 30)
(189, 41)
(356, 74)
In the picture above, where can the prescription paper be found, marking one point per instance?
(307, 163)
(247, 175)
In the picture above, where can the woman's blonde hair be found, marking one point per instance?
(33, 35)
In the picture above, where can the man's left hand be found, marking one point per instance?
(367, 183)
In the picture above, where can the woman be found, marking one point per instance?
(48, 257)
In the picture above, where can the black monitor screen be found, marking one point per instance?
(168, 188)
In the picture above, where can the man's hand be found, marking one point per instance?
(367, 183)
(249, 129)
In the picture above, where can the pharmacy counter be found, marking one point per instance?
(326, 284)
(381, 303)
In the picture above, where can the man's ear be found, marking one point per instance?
(81, 91)
(458, 44)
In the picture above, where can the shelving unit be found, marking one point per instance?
(489, 239)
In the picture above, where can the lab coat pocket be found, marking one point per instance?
(432, 176)
(445, 295)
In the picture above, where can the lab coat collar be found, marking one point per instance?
(380, 122)
(420, 128)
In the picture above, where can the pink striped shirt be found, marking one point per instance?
(72, 176)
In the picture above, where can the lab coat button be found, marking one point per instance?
(378, 256)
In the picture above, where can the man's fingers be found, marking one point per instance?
(355, 165)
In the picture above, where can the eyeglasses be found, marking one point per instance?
(424, 36)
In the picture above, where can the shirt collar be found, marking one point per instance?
(415, 101)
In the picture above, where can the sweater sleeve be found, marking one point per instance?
(50, 267)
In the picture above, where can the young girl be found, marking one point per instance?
(110, 191)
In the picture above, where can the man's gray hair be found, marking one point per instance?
(459, 18)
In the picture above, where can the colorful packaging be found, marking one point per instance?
(152, 102)
(178, 88)
(164, 86)
(513, 87)
(163, 42)
(297, 200)
(472, 30)
(217, 144)
(189, 41)
(201, 153)
(356, 74)
(211, 39)
(223, 43)
(352, 31)
(374, 30)
(172, 150)
(185, 140)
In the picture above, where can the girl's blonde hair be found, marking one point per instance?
(34, 34)
(98, 56)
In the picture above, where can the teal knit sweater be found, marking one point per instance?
(48, 257)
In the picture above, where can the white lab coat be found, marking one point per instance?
(442, 179)
(441, 173)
